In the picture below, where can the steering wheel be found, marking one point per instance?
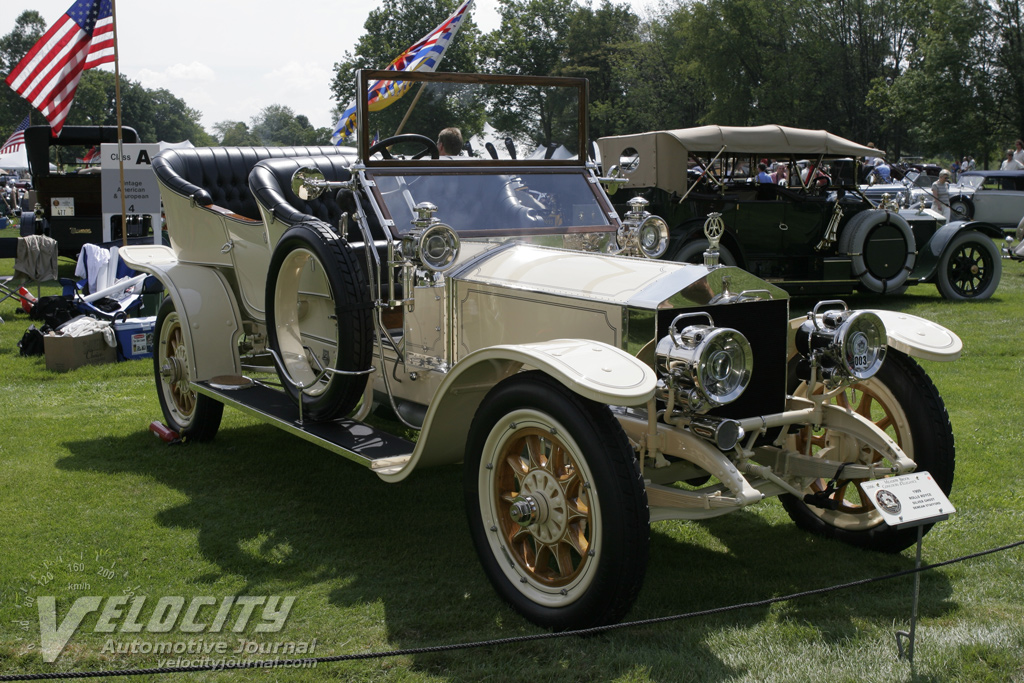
(428, 146)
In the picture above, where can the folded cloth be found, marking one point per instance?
(83, 326)
(37, 258)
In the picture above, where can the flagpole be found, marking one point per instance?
(409, 110)
(117, 108)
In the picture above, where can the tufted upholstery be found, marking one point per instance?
(270, 183)
(220, 175)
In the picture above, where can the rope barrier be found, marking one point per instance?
(306, 662)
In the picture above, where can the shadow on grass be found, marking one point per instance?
(285, 516)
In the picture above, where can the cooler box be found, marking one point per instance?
(134, 338)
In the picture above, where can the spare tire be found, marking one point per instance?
(319, 320)
(881, 248)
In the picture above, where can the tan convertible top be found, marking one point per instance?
(663, 154)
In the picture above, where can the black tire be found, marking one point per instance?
(902, 401)
(961, 209)
(590, 553)
(970, 268)
(194, 416)
(881, 248)
(693, 252)
(318, 301)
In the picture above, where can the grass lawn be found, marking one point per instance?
(92, 504)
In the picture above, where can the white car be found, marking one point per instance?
(503, 310)
(995, 197)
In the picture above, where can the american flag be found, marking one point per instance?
(17, 138)
(424, 55)
(48, 75)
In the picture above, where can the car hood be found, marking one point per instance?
(633, 282)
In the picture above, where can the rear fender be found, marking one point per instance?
(591, 369)
(205, 304)
(929, 254)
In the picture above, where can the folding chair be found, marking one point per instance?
(106, 276)
(35, 263)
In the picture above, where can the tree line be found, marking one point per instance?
(934, 78)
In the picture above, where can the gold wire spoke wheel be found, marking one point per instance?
(179, 387)
(552, 548)
(873, 401)
(556, 504)
(186, 412)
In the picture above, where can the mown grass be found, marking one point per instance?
(376, 566)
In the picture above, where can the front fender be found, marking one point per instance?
(594, 370)
(911, 334)
(205, 304)
(929, 253)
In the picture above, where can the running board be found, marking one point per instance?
(357, 441)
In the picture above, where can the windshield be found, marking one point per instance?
(489, 204)
(972, 181)
(508, 118)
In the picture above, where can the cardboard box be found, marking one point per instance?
(68, 353)
(135, 338)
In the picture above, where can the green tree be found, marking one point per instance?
(235, 134)
(28, 28)
(1008, 79)
(277, 125)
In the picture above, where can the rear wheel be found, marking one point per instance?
(903, 402)
(970, 268)
(556, 504)
(319, 320)
(192, 415)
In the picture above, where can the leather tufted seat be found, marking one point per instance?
(219, 176)
(270, 183)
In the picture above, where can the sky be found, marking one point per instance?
(229, 59)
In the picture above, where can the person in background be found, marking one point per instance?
(1018, 152)
(449, 142)
(1011, 164)
(763, 177)
(779, 176)
(940, 194)
(954, 170)
(882, 172)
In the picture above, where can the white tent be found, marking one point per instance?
(15, 161)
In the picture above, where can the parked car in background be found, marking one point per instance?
(821, 237)
(995, 197)
(501, 309)
(912, 189)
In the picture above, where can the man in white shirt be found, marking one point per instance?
(1018, 153)
(1011, 164)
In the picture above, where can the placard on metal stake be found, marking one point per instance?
(909, 500)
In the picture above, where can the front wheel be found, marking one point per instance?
(903, 402)
(192, 415)
(970, 268)
(556, 504)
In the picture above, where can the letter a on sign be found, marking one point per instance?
(143, 158)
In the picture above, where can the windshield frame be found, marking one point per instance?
(365, 77)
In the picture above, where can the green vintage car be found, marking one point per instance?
(815, 233)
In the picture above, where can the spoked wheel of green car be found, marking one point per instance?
(970, 268)
(901, 401)
(319, 321)
(192, 415)
(556, 504)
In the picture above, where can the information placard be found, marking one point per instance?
(909, 499)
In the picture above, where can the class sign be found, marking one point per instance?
(909, 499)
(141, 192)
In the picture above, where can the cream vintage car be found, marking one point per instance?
(500, 307)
